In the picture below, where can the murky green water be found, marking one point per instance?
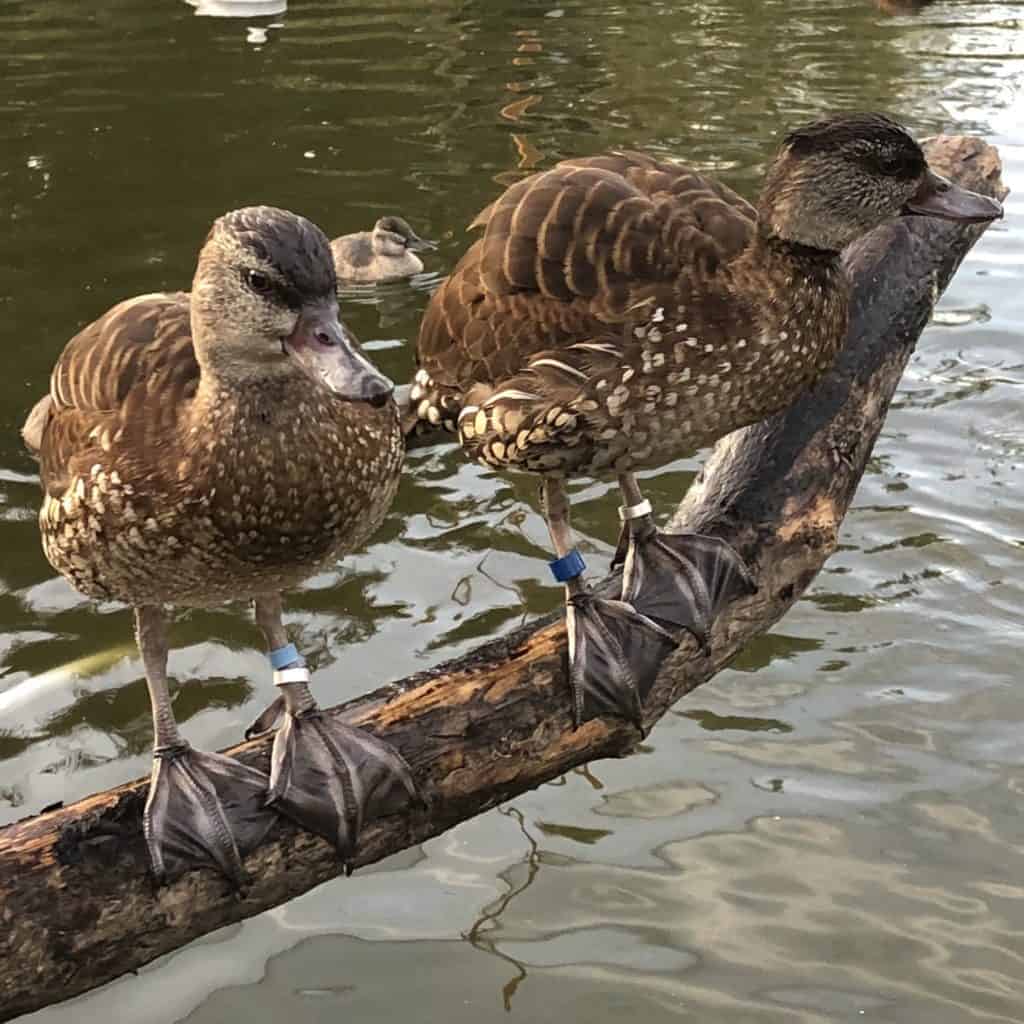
(832, 831)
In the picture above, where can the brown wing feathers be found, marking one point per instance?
(128, 344)
(572, 234)
(136, 349)
(573, 253)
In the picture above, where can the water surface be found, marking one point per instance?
(829, 831)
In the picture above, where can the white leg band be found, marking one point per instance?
(638, 511)
(284, 676)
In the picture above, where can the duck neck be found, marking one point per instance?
(228, 395)
(263, 397)
(801, 298)
(781, 271)
(808, 260)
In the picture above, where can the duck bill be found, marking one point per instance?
(937, 197)
(417, 244)
(325, 348)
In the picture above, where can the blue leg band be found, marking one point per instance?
(568, 567)
(284, 656)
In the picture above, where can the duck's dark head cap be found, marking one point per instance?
(289, 243)
(880, 143)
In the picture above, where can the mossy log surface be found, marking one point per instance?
(77, 903)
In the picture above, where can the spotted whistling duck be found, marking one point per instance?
(620, 311)
(198, 448)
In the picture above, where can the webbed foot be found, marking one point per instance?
(330, 777)
(203, 810)
(614, 656)
(683, 580)
(267, 718)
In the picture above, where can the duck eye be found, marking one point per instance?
(258, 282)
(890, 163)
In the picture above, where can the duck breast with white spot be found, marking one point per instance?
(620, 311)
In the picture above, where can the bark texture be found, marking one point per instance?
(77, 904)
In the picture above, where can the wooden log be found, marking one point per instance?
(77, 903)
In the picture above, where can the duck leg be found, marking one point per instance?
(680, 580)
(614, 651)
(203, 809)
(327, 776)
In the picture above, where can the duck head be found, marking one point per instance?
(264, 307)
(839, 178)
(393, 237)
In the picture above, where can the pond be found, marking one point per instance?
(828, 831)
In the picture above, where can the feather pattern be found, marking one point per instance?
(105, 381)
(163, 486)
(634, 299)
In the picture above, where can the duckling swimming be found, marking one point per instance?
(197, 448)
(621, 311)
(387, 253)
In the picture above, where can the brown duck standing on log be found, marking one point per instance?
(200, 448)
(621, 311)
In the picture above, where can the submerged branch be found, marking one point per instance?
(77, 903)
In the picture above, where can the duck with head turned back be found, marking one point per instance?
(197, 448)
(387, 253)
(621, 311)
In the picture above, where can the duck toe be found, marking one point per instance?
(267, 719)
(203, 810)
(682, 581)
(614, 657)
(330, 777)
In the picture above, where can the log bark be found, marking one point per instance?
(77, 904)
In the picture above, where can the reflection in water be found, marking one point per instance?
(517, 110)
(713, 723)
(902, 6)
(834, 826)
(587, 772)
(483, 933)
(239, 8)
(801, 915)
